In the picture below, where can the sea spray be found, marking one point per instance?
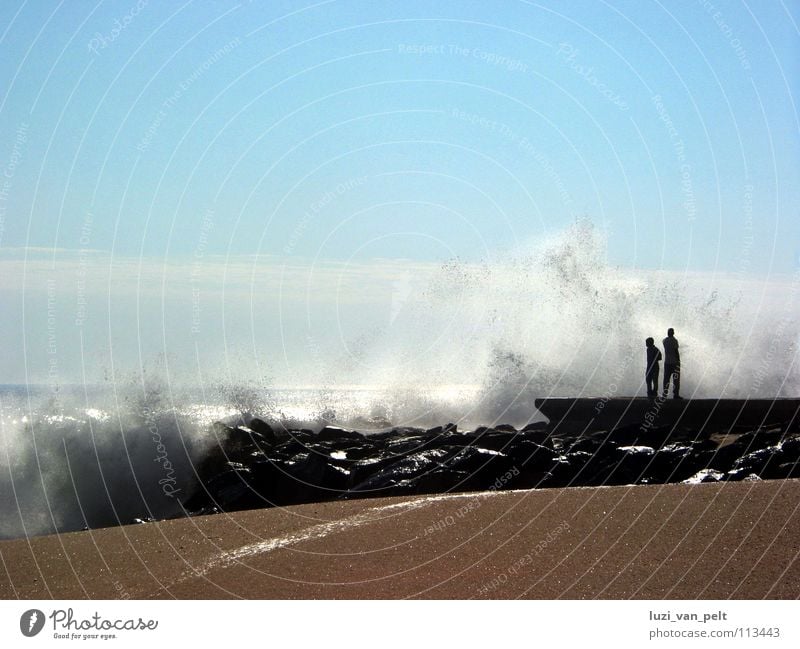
(93, 467)
(555, 319)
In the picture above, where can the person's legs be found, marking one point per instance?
(668, 369)
(652, 382)
(676, 382)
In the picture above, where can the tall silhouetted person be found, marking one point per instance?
(672, 364)
(651, 373)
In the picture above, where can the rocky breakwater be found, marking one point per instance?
(258, 466)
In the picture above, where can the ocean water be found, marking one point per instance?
(476, 345)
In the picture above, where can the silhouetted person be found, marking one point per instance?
(651, 373)
(672, 364)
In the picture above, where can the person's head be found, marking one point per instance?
(649, 342)
(670, 332)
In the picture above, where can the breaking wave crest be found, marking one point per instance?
(555, 319)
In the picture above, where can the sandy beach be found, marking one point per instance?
(734, 540)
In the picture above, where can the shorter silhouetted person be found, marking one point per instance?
(672, 364)
(651, 373)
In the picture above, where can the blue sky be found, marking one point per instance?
(175, 134)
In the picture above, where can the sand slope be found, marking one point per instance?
(738, 540)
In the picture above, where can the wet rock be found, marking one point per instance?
(632, 465)
(482, 466)
(491, 439)
(787, 470)
(656, 436)
(258, 466)
(759, 439)
(506, 428)
(674, 463)
(536, 427)
(538, 432)
(741, 475)
(396, 433)
(393, 473)
(763, 462)
(530, 455)
(565, 472)
(791, 449)
(590, 445)
(411, 444)
(264, 430)
(227, 491)
(704, 475)
(335, 434)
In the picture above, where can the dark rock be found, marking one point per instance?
(482, 466)
(491, 439)
(259, 466)
(791, 449)
(363, 470)
(435, 481)
(656, 436)
(243, 439)
(673, 463)
(289, 448)
(356, 451)
(529, 478)
(587, 444)
(700, 445)
(542, 437)
(335, 434)
(585, 468)
(534, 463)
(411, 444)
(722, 458)
(564, 472)
(227, 491)
(763, 462)
(264, 429)
(310, 479)
(393, 473)
(756, 440)
(530, 455)
(705, 475)
(539, 432)
(302, 434)
(787, 470)
(741, 475)
(631, 466)
(396, 433)
(630, 434)
(536, 427)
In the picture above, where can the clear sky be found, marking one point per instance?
(148, 141)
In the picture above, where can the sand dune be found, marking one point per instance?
(739, 540)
